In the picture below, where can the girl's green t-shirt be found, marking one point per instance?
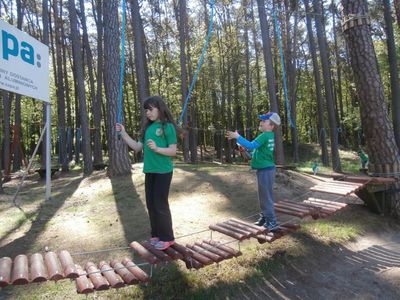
(163, 135)
(263, 156)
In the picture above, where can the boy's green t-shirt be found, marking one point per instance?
(263, 156)
(163, 136)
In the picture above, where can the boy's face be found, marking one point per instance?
(266, 125)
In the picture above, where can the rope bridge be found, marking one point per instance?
(122, 272)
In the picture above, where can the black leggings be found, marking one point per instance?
(157, 190)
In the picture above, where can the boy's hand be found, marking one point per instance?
(232, 134)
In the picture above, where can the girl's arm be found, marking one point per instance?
(136, 146)
(169, 151)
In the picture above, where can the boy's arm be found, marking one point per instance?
(247, 144)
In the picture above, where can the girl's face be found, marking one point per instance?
(265, 125)
(152, 113)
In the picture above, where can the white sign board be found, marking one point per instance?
(24, 63)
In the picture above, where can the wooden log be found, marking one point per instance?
(200, 250)
(175, 255)
(251, 230)
(20, 270)
(328, 191)
(225, 248)
(135, 270)
(159, 254)
(234, 228)
(113, 278)
(98, 280)
(268, 237)
(204, 260)
(67, 264)
(328, 203)
(191, 263)
(185, 252)
(144, 253)
(259, 229)
(53, 266)
(125, 274)
(38, 268)
(301, 211)
(5, 271)
(290, 212)
(83, 284)
(228, 232)
(297, 205)
(213, 249)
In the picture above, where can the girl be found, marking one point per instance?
(159, 140)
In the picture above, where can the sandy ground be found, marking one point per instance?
(81, 217)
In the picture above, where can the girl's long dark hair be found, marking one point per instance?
(165, 114)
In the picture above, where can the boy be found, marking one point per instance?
(263, 161)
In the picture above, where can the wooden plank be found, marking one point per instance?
(227, 232)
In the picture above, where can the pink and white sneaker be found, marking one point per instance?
(161, 245)
(154, 240)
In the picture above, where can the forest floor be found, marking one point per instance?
(354, 254)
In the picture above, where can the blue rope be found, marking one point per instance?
(121, 71)
(278, 34)
(210, 27)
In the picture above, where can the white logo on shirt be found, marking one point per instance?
(159, 132)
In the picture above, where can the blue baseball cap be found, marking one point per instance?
(273, 116)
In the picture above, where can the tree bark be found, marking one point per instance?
(394, 73)
(95, 105)
(140, 57)
(269, 70)
(318, 90)
(324, 51)
(118, 154)
(78, 66)
(381, 145)
(61, 130)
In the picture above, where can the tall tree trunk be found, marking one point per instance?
(45, 40)
(397, 11)
(95, 105)
(61, 130)
(394, 73)
(6, 135)
(269, 69)
(248, 99)
(117, 151)
(140, 57)
(182, 17)
(78, 66)
(291, 40)
(318, 90)
(324, 53)
(17, 116)
(381, 144)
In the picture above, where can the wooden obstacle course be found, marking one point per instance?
(117, 274)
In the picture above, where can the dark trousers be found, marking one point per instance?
(157, 190)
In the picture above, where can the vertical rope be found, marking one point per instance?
(199, 64)
(278, 34)
(121, 71)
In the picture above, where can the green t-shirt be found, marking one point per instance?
(163, 136)
(263, 156)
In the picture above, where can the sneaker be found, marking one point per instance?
(260, 221)
(271, 226)
(161, 245)
(154, 240)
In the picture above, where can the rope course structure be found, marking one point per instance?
(118, 273)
